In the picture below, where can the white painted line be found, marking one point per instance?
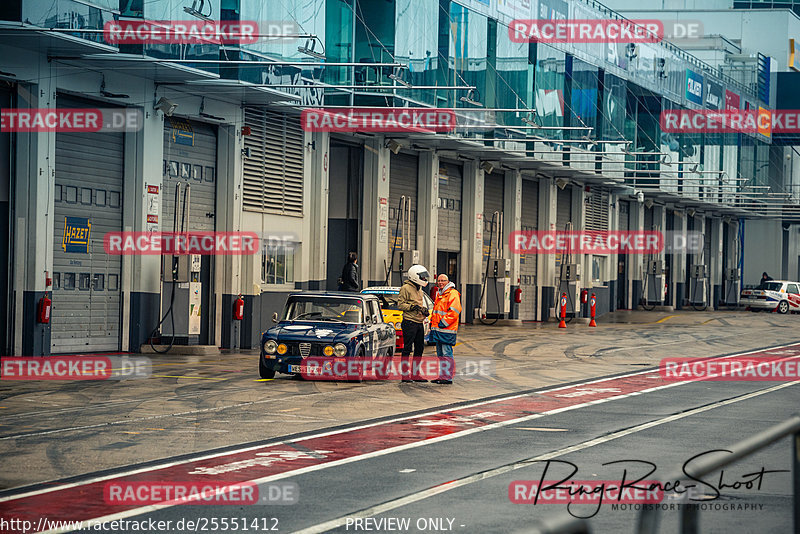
(436, 490)
(406, 470)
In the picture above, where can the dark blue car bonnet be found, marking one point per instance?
(303, 331)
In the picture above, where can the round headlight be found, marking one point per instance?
(270, 346)
(398, 325)
(340, 350)
(328, 350)
(282, 349)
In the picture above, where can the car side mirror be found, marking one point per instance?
(275, 317)
(375, 319)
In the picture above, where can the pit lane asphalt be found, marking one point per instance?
(687, 420)
(54, 430)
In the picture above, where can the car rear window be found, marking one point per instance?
(388, 302)
(773, 286)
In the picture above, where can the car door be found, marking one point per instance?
(378, 330)
(793, 295)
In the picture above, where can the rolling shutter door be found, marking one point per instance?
(273, 174)
(86, 286)
(528, 262)
(450, 186)
(196, 165)
(648, 218)
(403, 181)
(493, 186)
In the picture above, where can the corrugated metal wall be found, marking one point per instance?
(529, 262)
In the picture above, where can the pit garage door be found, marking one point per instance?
(88, 204)
(403, 181)
(493, 189)
(529, 262)
(563, 216)
(190, 158)
(449, 203)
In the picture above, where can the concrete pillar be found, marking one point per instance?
(715, 262)
(636, 261)
(472, 242)
(34, 205)
(512, 222)
(546, 267)
(315, 257)
(678, 268)
(427, 211)
(141, 287)
(376, 232)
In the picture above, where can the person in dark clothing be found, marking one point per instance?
(764, 279)
(349, 279)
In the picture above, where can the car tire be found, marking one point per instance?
(263, 371)
(783, 307)
(361, 356)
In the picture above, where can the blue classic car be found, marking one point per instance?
(317, 324)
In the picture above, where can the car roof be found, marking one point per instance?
(381, 289)
(337, 294)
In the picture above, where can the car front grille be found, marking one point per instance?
(305, 349)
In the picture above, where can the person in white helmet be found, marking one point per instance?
(411, 302)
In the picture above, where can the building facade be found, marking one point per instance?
(219, 145)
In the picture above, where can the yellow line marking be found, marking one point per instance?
(154, 429)
(664, 319)
(197, 377)
(290, 409)
(714, 319)
(131, 432)
(263, 380)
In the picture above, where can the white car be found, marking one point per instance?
(775, 295)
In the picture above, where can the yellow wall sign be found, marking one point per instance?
(76, 234)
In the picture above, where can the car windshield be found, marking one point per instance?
(772, 286)
(323, 309)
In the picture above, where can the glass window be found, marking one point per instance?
(72, 194)
(186, 170)
(113, 199)
(69, 280)
(792, 288)
(197, 173)
(98, 282)
(58, 193)
(277, 264)
(598, 268)
(100, 197)
(209, 174)
(86, 196)
(549, 87)
(341, 310)
(56, 281)
(113, 282)
(83, 281)
(173, 168)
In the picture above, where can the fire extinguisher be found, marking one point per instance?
(584, 296)
(518, 295)
(238, 309)
(45, 304)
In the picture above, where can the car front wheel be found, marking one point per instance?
(783, 307)
(263, 371)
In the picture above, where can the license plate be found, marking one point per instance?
(313, 370)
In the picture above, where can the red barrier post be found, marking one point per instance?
(593, 301)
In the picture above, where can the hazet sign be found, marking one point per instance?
(76, 235)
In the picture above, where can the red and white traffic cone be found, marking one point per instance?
(593, 306)
(563, 324)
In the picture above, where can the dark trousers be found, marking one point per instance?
(413, 333)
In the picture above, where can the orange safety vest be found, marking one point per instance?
(447, 308)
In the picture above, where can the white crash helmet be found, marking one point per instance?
(419, 275)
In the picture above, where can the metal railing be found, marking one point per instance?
(648, 519)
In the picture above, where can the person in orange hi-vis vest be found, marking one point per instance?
(444, 326)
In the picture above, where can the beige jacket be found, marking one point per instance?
(408, 297)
